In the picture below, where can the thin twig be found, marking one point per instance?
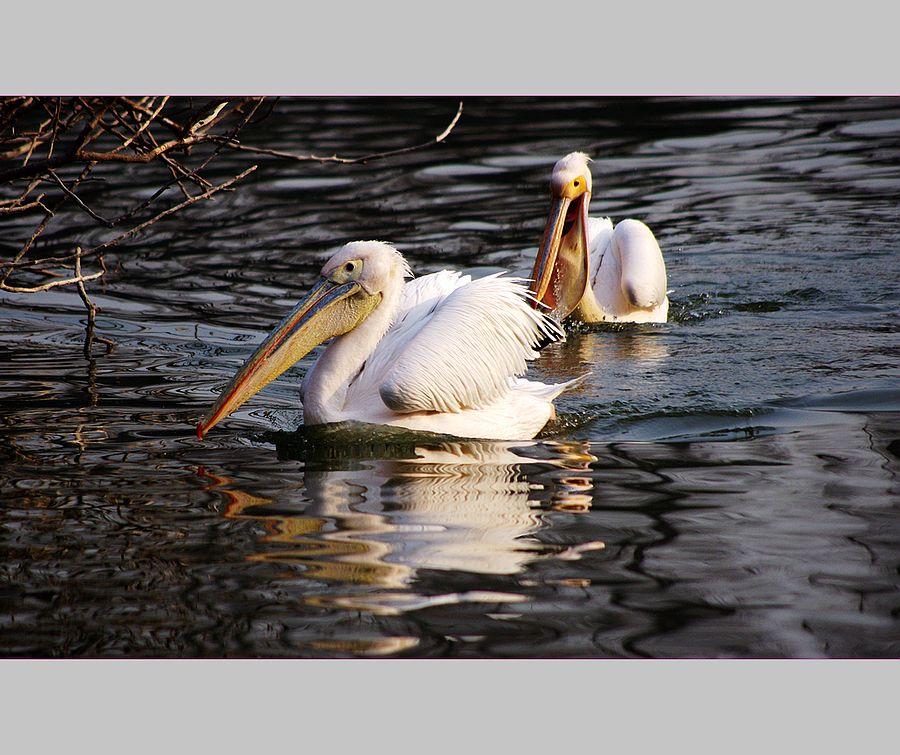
(177, 178)
(11, 107)
(21, 198)
(208, 120)
(74, 154)
(92, 308)
(122, 130)
(38, 231)
(18, 263)
(110, 129)
(26, 146)
(145, 124)
(55, 127)
(165, 213)
(36, 139)
(24, 207)
(177, 128)
(78, 201)
(235, 144)
(48, 273)
(51, 284)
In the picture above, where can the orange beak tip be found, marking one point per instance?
(200, 430)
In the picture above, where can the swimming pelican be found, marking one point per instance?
(623, 265)
(442, 353)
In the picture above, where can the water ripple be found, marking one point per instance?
(724, 484)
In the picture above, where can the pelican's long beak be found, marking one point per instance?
(560, 274)
(331, 309)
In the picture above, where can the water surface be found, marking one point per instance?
(725, 485)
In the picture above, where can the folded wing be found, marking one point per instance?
(456, 344)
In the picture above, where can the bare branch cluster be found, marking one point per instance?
(51, 147)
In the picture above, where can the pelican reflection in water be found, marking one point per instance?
(465, 507)
(589, 270)
(442, 353)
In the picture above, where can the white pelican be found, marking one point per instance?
(442, 353)
(589, 270)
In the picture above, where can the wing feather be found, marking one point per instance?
(460, 350)
(418, 300)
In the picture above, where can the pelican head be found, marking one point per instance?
(351, 286)
(560, 275)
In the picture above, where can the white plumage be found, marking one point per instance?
(443, 353)
(434, 365)
(590, 270)
(627, 273)
(446, 363)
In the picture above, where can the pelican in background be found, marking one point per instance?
(590, 271)
(442, 353)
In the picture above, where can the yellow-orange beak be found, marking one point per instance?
(330, 309)
(561, 268)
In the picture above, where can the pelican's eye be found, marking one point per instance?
(349, 271)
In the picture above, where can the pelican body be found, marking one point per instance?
(589, 270)
(442, 353)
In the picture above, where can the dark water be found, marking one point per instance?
(722, 485)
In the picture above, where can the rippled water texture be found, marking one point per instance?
(722, 485)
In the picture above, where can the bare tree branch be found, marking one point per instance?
(165, 213)
(235, 144)
(89, 336)
(17, 263)
(144, 126)
(52, 284)
(71, 194)
(58, 142)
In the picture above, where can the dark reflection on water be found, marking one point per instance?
(722, 485)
